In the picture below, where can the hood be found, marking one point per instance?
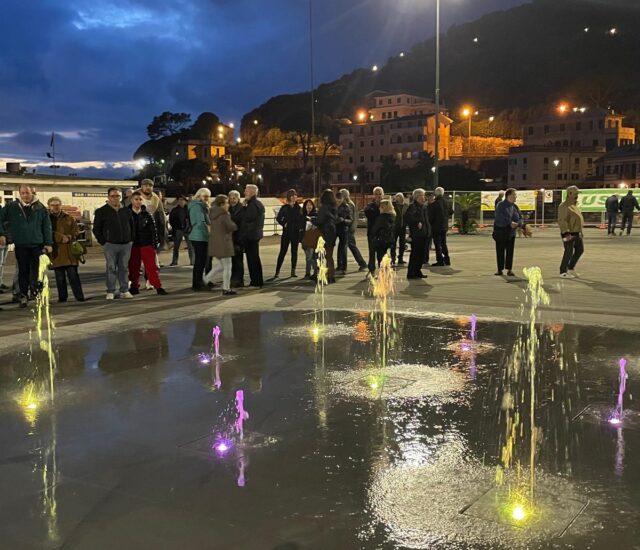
(216, 212)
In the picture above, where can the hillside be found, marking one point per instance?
(526, 60)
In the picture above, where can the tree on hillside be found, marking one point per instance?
(205, 127)
(167, 124)
(190, 173)
(300, 124)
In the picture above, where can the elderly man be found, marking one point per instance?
(439, 220)
(571, 224)
(28, 221)
(237, 262)
(179, 220)
(372, 211)
(627, 205)
(251, 233)
(419, 229)
(113, 229)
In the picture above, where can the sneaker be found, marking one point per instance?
(293, 274)
(173, 264)
(23, 301)
(498, 273)
(574, 273)
(110, 296)
(567, 276)
(126, 295)
(133, 291)
(148, 286)
(161, 291)
(229, 293)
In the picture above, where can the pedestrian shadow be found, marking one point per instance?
(446, 271)
(523, 284)
(288, 299)
(608, 288)
(416, 289)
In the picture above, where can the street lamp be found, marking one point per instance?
(556, 163)
(468, 113)
(436, 157)
(542, 192)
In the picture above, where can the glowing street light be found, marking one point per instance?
(238, 140)
(469, 113)
(613, 31)
(255, 122)
(586, 29)
(401, 54)
(563, 108)
(556, 162)
(232, 125)
(475, 40)
(355, 178)
(362, 116)
(492, 118)
(374, 68)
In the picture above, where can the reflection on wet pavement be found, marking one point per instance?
(340, 444)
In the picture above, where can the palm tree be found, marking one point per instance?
(467, 202)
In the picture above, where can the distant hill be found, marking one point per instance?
(525, 61)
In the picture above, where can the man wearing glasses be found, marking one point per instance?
(113, 229)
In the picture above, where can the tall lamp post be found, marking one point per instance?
(436, 158)
(313, 101)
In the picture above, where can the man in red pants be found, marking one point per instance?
(145, 241)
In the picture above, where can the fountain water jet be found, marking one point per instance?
(618, 414)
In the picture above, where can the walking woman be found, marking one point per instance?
(290, 218)
(199, 236)
(327, 219)
(383, 233)
(571, 224)
(507, 220)
(221, 243)
(310, 214)
(65, 264)
(400, 238)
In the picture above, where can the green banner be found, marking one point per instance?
(593, 200)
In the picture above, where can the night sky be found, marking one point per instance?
(98, 71)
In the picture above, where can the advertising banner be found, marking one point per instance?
(526, 200)
(593, 200)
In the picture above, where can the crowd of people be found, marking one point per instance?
(222, 232)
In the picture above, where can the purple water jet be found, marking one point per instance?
(474, 320)
(242, 413)
(216, 340)
(222, 445)
(618, 414)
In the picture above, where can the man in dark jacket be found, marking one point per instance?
(419, 230)
(351, 235)
(251, 233)
(113, 229)
(371, 212)
(180, 224)
(612, 206)
(627, 205)
(290, 218)
(237, 262)
(343, 228)
(439, 220)
(30, 227)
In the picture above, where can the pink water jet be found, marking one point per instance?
(216, 340)
(242, 413)
(618, 414)
(474, 321)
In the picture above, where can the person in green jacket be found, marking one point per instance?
(30, 226)
(199, 235)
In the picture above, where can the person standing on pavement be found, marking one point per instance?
(627, 206)
(3, 256)
(221, 243)
(612, 206)
(199, 219)
(507, 220)
(179, 221)
(439, 219)
(30, 226)
(113, 229)
(383, 233)
(65, 264)
(237, 262)
(499, 199)
(143, 250)
(571, 224)
(371, 212)
(327, 224)
(400, 206)
(343, 228)
(290, 218)
(351, 243)
(311, 224)
(251, 232)
(419, 231)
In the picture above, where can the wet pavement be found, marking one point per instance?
(347, 444)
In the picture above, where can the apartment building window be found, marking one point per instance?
(351, 145)
(371, 143)
(525, 161)
(616, 169)
(575, 177)
(546, 160)
(407, 155)
(601, 124)
(577, 162)
(371, 130)
(382, 142)
(524, 177)
(596, 142)
(389, 101)
(400, 125)
(362, 159)
(399, 156)
(400, 100)
(395, 114)
(372, 158)
(530, 130)
(379, 102)
(381, 130)
(362, 144)
(381, 158)
(362, 131)
(512, 177)
(589, 161)
(545, 177)
(608, 169)
(563, 127)
(546, 128)
(578, 125)
(398, 139)
(384, 115)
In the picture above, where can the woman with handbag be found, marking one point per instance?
(221, 243)
(327, 220)
(310, 237)
(64, 257)
(507, 220)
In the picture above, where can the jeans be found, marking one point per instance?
(310, 264)
(287, 239)
(627, 221)
(357, 256)
(224, 266)
(252, 250)
(117, 257)
(573, 249)
(612, 218)
(201, 249)
(68, 272)
(178, 235)
(237, 268)
(400, 241)
(504, 253)
(28, 259)
(442, 251)
(343, 243)
(147, 256)
(416, 258)
(3, 260)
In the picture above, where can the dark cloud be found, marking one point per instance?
(100, 70)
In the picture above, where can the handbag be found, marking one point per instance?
(310, 238)
(78, 250)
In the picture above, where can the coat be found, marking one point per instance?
(290, 218)
(327, 218)
(221, 233)
(353, 210)
(400, 222)
(145, 232)
(252, 221)
(372, 211)
(506, 213)
(417, 214)
(112, 225)
(570, 218)
(628, 203)
(199, 217)
(29, 225)
(63, 226)
(439, 214)
(383, 231)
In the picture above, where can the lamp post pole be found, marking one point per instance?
(313, 101)
(436, 157)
